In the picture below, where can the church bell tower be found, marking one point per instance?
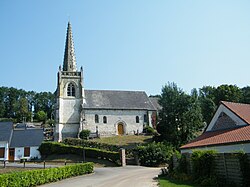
(70, 93)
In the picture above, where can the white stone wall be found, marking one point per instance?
(223, 148)
(114, 117)
(19, 153)
(6, 146)
(69, 111)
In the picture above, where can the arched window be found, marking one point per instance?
(104, 119)
(96, 118)
(71, 90)
(137, 119)
(145, 118)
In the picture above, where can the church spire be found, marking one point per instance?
(69, 62)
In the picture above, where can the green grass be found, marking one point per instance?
(166, 182)
(128, 141)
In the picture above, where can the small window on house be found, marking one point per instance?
(2, 152)
(104, 119)
(137, 119)
(96, 118)
(145, 118)
(26, 151)
(71, 90)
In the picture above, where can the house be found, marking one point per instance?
(5, 137)
(106, 112)
(228, 131)
(20, 142)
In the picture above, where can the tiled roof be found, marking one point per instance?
(109, 99)
(226, 136)
(241, 134)
(241, 110)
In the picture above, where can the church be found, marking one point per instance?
(106, 112)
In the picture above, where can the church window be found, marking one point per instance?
(137, 119)
(71, 90)
(96, 118)
(104, 119)
(145, 118)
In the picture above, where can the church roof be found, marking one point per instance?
(109, 99)
(69, 62)
(26, 137)
(154, 101)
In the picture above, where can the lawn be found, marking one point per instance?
(166, 182)
(128, 141)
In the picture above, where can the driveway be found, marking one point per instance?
(129, 176)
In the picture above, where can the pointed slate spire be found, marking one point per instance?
(69, 62)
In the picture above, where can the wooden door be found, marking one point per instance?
(11, 154)
(120, 129)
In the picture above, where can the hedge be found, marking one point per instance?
(84, 143)
(92, 144)
(42, 176)
(48, 148)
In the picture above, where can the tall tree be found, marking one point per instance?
(245, 95)
(22, 110)
(227, 93)
(180, 117)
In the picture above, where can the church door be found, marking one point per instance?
(120, 129)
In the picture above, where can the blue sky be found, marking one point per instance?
(126, 45)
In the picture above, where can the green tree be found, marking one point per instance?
(41, 116)
(21, 108)
(245, 95)
(180, 117)
(44, 101)
(208, 108)
(227, 93)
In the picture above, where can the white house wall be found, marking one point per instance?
(128, 117)
(223, 149)
(19, 153)
(6, 146)
(221, 109)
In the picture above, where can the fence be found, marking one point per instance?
(227, 166)
(35, 164)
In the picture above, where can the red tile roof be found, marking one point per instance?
(210, 138)
(240, 109)
(226, 136)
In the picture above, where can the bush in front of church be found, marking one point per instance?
(154, 154)
(84, 134)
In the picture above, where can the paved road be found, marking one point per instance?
(129, 176)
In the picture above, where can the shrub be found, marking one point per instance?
(149, 130)
(84, 134)
(154, 154)
(203, 165)
(244, 167)
(42, 176)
